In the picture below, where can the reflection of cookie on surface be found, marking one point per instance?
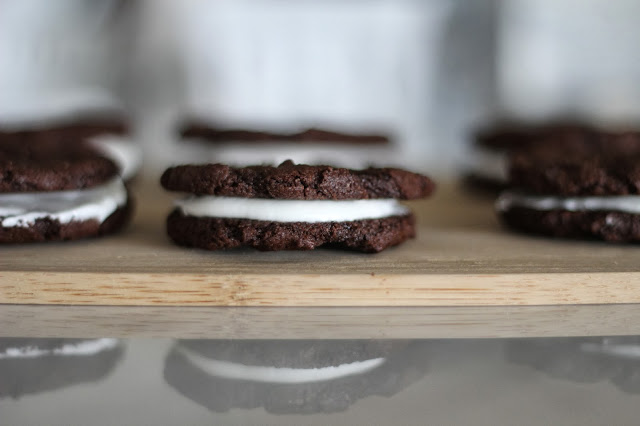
(292, 207)
(583, 186)
(291, 376)
(30, 366)
(583, 360)
(50, 190)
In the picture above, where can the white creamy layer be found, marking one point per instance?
(311, 211)
(23, 209)
(488, 164)
(125, 153)
(242, 154)
(622, 203)
(85, 348)
(235, 371)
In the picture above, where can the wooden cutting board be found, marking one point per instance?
(461, 257)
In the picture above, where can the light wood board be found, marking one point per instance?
(461, 257)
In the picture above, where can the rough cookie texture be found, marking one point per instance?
(297, 182)
(216, 135)
(608, 226)
(602, 164)
(47, 229)
(51, 165)
(372, 235)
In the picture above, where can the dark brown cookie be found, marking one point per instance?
(216, 135)
(47, 229)
(51, 165)
(372, 235)
(297, 182)
(600, 164)
(608, 226)
(508, 136)
(68, 131)
(504, 138)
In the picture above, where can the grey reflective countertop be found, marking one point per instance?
(577, 380)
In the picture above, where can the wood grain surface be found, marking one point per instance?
(461, 257)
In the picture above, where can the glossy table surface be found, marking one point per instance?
(585, 381)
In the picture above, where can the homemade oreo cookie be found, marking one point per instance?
(242, 147)
(51, 190)
(584, 185)
(109, 136)
(292, 207)
(292, 376)
(487, 167)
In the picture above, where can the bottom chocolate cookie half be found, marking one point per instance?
(608, 226)
(47, 229)
(371, 235)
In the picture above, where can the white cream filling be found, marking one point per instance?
(242, 154)
(85, 348)
(622, 203)
(488, 163)
(125, 153)
(236, 371)
(311, 211)
(23, 209)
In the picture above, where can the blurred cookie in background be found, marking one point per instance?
(53, 190)
(486, 167)
(579, 184)
(253, 146)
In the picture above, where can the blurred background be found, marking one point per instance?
(427, 71)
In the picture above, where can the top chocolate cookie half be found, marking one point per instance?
(603, 163)
(297, 182)
(51, 165)
(217, 135)
(508, 136)
(76, 130)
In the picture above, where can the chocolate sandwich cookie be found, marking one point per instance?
(292, 207)
(487, 167)
(50, 190)
(242, 147)
(582, 359)
(586, 186)
(292, 376)
(30, 366)
(110, 136)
